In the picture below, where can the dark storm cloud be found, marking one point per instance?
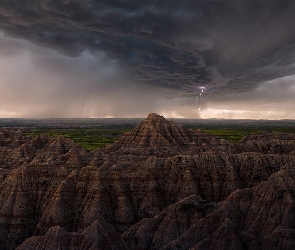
(228, 45)
(38, 82)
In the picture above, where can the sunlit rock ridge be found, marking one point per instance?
(160, 186)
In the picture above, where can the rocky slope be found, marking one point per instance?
(159, 187)
(157, 136)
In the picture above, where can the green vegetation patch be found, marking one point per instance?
(234, 135)
(87, 138)
(91, 139)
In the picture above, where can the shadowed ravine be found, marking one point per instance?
(159, 186)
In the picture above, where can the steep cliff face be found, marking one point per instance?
(159, 187)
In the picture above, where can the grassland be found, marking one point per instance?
(87, 138)
(97, 138)
(236, 134)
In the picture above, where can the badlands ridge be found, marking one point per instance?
(159, 186)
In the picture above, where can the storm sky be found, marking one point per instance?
(118, 58)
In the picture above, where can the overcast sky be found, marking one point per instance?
(119, 58)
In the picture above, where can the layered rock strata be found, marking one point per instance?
(158, 187)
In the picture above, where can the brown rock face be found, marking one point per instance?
(159, 187)
(267, 143)
(99, 235)
(157, 136)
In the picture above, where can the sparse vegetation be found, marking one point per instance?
(87, 138)
(236, 134)
(97, 138)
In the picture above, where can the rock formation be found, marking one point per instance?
(159, 186)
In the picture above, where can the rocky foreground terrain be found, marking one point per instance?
(159, 187)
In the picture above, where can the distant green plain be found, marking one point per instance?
(87, 138)
(91, 139)
(234, 135)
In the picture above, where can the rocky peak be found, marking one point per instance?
(155, 117)
(157, 135)
(154, 132)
